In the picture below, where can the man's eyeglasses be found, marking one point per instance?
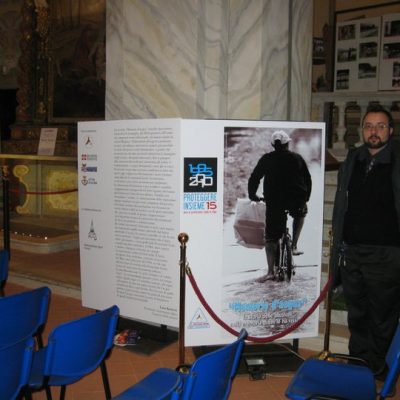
(378, 127)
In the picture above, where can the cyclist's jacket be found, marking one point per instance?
(287, 179)
(341, 199)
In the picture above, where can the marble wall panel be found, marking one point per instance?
(275, 60)
(205, 58)
(245, 64)
(160, 57)
(301, 64)
(212, 60)
(114, 59)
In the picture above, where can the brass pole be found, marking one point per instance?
(183, 239)
(328, 309)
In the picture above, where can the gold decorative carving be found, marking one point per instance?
(21, 171)
(5, 170)
(42, 30)
(58, 181)
(42, 21)
(26, 64)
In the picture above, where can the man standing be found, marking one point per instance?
(286, 188)
(366, 239)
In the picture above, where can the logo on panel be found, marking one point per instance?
(200, 185)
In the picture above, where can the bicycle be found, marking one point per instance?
(284, 266)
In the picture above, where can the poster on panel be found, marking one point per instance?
(228, 268)
(389, 76)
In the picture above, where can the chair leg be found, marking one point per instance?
(62, 392)
(39, 340)
(106, 383)
(48, 392)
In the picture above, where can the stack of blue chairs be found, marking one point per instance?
(74, 350)
(23, 317)
(15, 366)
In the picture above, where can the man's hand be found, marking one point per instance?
(254, 198)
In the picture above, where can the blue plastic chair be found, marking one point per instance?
(319, 379)
(4, 261)
(23, 315)
(161, 384)
(210, 377)
(15, 364)
(74, 350)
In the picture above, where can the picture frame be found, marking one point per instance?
(390, 53)
(375, 10)
(357, 49)
(318, 51)
(76, 68)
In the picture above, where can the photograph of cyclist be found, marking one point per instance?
(286, 189)
(268, 307)
(366, 239)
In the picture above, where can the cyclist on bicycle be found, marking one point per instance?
(286, 188)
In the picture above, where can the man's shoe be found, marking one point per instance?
(297, 252)
(268, 277)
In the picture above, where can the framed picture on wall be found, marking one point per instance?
(77, 60)
(389, 77)
(357, 55)
(318, 51)
(363, 38)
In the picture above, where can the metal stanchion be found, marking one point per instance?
(183, 239)
(328, 310)
(6, 208)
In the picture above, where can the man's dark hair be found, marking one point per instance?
(377, 108)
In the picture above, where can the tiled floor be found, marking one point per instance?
(60, 271)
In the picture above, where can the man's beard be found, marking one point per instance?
(375, 145)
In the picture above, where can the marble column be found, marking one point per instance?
(229, 59)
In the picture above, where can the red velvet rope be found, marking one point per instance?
(253, 338)
(43, 193)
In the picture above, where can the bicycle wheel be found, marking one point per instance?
(280, 273)
(287, 261)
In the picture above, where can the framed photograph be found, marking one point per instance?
(77, 61)
(367, 47)
(347, 32)
(389, 77)
(392, 28)
(357, 55)
(318, 51)
(369, 30)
